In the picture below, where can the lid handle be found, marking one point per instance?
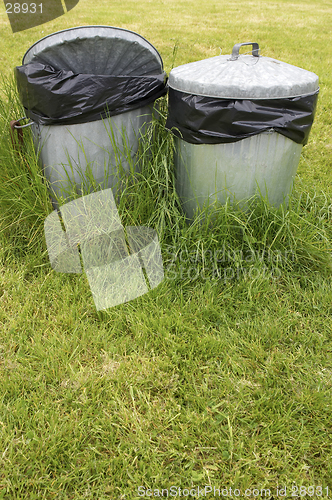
(237, 46)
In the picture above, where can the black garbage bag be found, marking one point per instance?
(54, 96)
(208, 120)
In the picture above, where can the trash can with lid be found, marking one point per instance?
(89, 92)
(240, 122)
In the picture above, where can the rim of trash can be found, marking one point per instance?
(95, 26)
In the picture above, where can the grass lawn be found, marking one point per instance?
(222, 376)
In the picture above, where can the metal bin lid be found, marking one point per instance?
(247, 76)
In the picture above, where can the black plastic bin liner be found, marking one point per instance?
(51, 96)
(209, 120)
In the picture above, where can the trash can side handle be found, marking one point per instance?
(236, 50)
(16, 125)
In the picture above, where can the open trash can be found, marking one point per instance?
(240, 122)
(89, 92)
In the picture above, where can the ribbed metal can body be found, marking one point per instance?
(81, 156)
(207, 174)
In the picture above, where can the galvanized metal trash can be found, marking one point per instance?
(240, 122)
(89, 92)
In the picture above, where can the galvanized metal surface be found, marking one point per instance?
(265, 163)
(72, 155)
(97, 50)
(207, 173)
(245, 77)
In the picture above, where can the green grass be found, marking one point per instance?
(221, 376)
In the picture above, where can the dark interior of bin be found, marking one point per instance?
(101, 56)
